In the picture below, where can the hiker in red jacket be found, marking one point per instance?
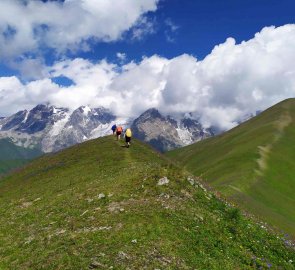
(119, 131)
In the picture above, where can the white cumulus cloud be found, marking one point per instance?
(30, 25)
(231, 82)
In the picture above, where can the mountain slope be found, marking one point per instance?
(253, 163)
(12, 156)
(101, 205)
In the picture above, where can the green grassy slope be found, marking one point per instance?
(99, 205)
(253, 163)
(12, 156)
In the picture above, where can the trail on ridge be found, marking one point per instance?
(264, 151)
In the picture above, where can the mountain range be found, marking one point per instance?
(50, 129)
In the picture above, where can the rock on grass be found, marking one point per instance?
(163, 181)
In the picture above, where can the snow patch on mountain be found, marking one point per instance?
(26, 116)
(184, 135)
(86, 110)
(58, 126)
(105, 129)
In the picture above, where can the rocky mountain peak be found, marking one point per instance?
(14, 120)
(85, 110)
(42, 107)
(150, 113)
(85, 114)
(52, 128)
(40, 117)
(165, 132)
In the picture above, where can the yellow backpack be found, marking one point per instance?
(128, 132)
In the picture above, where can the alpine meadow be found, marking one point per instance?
(101, 205)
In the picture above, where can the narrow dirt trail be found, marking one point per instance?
(126, 155)
(265, 151)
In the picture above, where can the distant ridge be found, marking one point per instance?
(12, 156)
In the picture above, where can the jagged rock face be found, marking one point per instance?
(13, 121)
(165, 133)
(157, 130)
(42, 117)
(81, 126)
(195, 130)
(33, 121)
(51, 129)
(85, 118)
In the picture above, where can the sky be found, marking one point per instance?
(219, 59)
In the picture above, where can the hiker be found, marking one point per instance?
(114, 129)
(119, 131)
(128, 135)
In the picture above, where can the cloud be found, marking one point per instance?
(32, 25)
(121, 56)
(171, 30)
(231, 82)
(173, 27)
(30, 68)
(143, 28)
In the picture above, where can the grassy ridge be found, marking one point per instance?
(99, 205)
(12, 156)
(253, 163)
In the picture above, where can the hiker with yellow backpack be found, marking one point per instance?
(128, 135)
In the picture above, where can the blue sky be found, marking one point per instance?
(148, 53)
(202, 25)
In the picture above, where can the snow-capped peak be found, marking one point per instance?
(167, 132)
(54, 128)
(86, 110)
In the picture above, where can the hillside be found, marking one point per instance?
(254, 164)
(12, 156)
(101, 205)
